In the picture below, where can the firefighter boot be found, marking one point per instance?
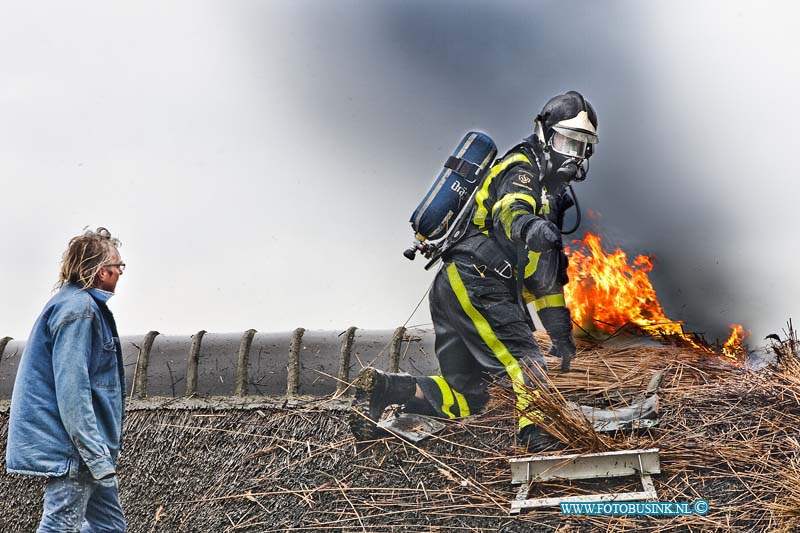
(536, 439)
(376, 390)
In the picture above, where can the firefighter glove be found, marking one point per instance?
(565, 349)
(541, 235)
(558, 323)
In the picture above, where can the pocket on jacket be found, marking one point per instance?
(489, 293)
(105, 373)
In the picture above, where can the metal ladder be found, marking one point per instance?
(528, 470)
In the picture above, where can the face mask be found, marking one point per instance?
(565, 168)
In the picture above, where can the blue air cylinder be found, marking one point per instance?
(461, 175)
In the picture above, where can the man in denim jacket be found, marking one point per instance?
(68, 401)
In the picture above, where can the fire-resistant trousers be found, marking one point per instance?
(482, 333)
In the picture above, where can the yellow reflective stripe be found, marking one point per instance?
(480, 197)
(507, 218)
(447, 395)
(463, 406)
(527, 295)
(533, 262)
(496, 345)
(506, 215)
(549, 300)
(510, 198)
(534, 416)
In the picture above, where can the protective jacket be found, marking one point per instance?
(509, 198)
(481, 326)
(67, 406)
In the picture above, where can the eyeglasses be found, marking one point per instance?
(120, 266)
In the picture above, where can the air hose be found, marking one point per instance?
(577, 209)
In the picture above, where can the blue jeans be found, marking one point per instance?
(79, 503)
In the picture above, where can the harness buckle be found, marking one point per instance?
(506, 271)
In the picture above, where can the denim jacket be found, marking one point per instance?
(68, 401)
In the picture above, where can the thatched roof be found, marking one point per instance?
(726, 434)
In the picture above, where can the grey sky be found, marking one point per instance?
(260, 160)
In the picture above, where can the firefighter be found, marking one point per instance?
(510, 253)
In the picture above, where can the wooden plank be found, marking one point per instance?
(293, 366)
(394, 349)
(3, 342)
(193, 362)
(343, 378)
(243, 363)
(142, 364)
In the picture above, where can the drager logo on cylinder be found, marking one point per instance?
(460, 189)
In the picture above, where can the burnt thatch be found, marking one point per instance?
(726, 434)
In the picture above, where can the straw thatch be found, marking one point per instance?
(726, 434)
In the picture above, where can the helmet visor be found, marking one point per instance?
(568, 147)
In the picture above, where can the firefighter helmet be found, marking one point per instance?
(568, 124)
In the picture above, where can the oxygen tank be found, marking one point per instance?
(463, 172)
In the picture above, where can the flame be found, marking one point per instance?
(734, 346)
(607, 292)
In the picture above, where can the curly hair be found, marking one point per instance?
(86, 254)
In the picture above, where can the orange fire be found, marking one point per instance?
(606, 292)
(734, 346)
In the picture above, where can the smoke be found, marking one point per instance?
(261, 159)
(676, 171)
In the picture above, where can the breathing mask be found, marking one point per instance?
(568, 157)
